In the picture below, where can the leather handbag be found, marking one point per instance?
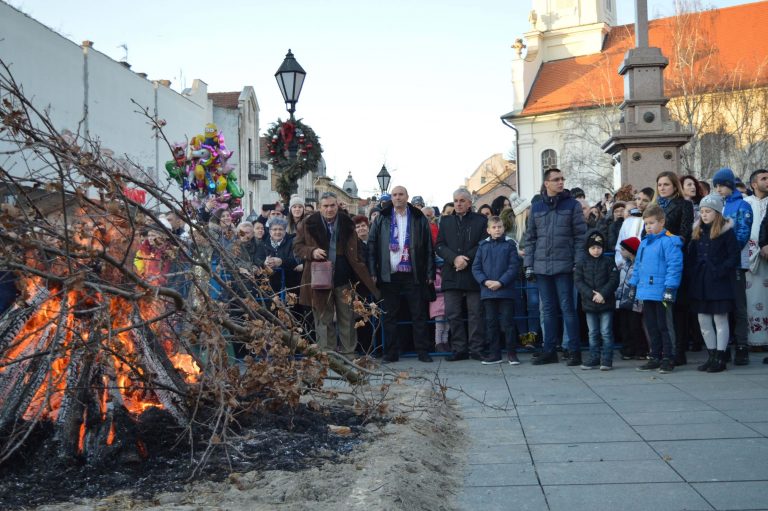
(322, 275)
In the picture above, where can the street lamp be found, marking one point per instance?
(290, 77)
(383, 178)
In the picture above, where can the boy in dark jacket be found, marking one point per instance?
(597, 278)
(495, 268)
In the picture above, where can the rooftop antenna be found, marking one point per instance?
(124, 46)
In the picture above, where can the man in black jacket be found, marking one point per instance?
(457, 241)
(401, 261)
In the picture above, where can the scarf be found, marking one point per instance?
(663, 202)
(394, 241)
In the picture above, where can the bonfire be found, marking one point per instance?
(92, 347)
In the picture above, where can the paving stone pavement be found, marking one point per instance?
(559, 438)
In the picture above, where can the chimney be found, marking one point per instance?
(125, 64)
(165, 83)
(87, 44)
(143, 75)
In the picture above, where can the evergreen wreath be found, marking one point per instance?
(284, 138)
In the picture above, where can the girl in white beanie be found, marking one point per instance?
(295, 213)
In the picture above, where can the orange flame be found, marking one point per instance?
(111, 435)
(81, 436)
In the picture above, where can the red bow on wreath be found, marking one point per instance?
(287, 132)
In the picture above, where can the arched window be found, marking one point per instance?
(548, 160)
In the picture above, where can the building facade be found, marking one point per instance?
(567, 89)
(494, 177)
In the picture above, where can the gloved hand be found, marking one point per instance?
(631, 293)
(669, 296)
(529, 275)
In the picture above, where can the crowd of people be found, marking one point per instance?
(661, 270)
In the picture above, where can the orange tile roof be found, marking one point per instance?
(735, 41)
(225, 99)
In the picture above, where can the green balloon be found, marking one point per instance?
(174, 171)
(233, 188)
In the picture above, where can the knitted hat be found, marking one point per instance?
(295, 199)
(724, 177)
(385, 197)
(596, 239)
(713, 201)
(631, 245)
(418, 200)
(518, 204)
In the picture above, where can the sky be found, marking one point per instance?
(418, 85)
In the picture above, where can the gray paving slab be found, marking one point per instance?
(503, 498)
(499, 452)
(687, 405)
(718, 459)
(736, 495)
(592, 451)
(501, 474)
(480, 412)
(735, 403)
(696, 431)
(542, 429)
(625, 497)
(666, 418)
(606, 472)
(660, 392)
(551, 395)
(760, 427)
(565, 409)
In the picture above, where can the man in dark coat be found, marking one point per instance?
(554, 243)
(457, 241)
(329, 235)
(401, 261)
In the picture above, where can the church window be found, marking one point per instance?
(548, 160)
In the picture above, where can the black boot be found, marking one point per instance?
(545, 358)
(742, 356)
(727, 354)
(575, 359)
(719, 364)
(711, 360)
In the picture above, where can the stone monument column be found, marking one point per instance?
(648, 141)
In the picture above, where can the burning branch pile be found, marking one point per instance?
(116, 318)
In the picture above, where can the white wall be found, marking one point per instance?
(61, 76)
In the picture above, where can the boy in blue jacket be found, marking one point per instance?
(740, 212)
(657, 275)
(495, 268)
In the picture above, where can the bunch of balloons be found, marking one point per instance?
(202, 168)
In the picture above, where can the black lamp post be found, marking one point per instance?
(290, 77)
(383, 178)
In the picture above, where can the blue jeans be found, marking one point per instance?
(532, 301)
(556, 295)
(600, 326)
(499, 312)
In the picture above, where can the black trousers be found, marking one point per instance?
(415, 295)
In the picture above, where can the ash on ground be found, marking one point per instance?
(288, 441)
